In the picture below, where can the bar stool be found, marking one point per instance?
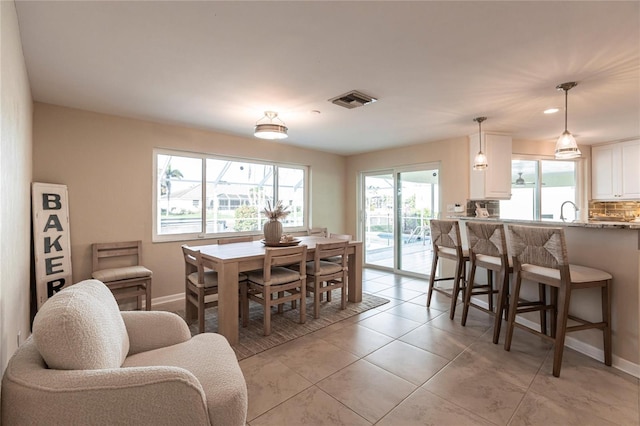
(540, 255)
(445, 238)
(488, 249)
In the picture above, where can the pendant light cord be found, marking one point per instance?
(566, 107)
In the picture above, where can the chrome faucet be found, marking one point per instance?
(562, 218)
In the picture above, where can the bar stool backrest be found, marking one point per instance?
(540, 246)
(487, 238)
(445, 233)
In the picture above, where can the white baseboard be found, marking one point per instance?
(591, 351)
(178, 297)
(582, 347)
(167, 299)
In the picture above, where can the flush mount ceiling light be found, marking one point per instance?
(267, 129)
(566, 146)
(480, 161)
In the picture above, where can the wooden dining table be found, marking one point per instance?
(231, 259)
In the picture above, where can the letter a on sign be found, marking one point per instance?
(51, 240)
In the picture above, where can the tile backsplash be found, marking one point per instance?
(626, 209)
(492, 206)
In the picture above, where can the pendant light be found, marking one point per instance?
(480, 161)
(269, 129)
(566, 146)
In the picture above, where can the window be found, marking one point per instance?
(538, 189)
(234, 191)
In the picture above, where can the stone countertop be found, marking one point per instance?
(579, 224)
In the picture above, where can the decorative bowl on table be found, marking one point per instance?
(285, 241)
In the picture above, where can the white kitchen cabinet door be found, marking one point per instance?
(494, 183)
(630, 170)
(615, 171)
(604, 181)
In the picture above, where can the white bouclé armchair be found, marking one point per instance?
(88, 363)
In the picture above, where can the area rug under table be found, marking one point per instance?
(285, 326)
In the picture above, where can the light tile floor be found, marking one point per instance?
(404, 364)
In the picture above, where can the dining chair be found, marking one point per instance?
(232, 240)
(201, 286)
(336, 259)
(119, 266)
(333, 236)
(275, 285)
(317, 232)
(325, 276)
(540, 255)
(447, 244)
(488, 249)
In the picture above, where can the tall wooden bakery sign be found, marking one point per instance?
(51, 239)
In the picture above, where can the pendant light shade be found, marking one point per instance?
(480, 160)
(566, 146)
(267, 129)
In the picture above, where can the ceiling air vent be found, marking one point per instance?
(353, 99)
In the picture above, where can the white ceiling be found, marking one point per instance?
(433, 65)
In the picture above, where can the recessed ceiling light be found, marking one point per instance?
(551, 110)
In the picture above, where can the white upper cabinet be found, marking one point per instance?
(615, 171)
(493, 183)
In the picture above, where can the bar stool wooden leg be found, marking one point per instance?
(606, 318)
(554, 311)
(467, 296)
(564, 297)
(503, 295)
(432, 277)
(542, 295)
(460, 275)
(490, 289)
(513, 306)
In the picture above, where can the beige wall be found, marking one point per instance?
(15, 178)
(452, 154)
(106, 162)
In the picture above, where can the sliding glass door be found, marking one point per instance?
(397, 206)
(379, 219)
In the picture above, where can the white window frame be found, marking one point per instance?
(203, 157)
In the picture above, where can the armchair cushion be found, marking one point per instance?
(80, 328)
(224, 386)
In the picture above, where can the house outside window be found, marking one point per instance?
(235, 191)
(538, 189)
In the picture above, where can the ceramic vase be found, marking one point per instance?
(272, 231)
